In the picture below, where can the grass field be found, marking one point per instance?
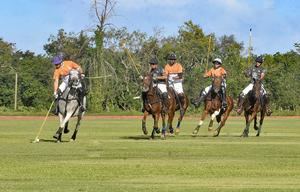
(112, 155)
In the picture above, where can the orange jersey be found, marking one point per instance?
(65, 68)
(219, 72)
(175, 68)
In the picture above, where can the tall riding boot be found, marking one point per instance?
(165, 102)
(144, 99)
(196, 102)
(268, 109)
(55, 109)
(224, 102)
(81, 100)
(240, 103)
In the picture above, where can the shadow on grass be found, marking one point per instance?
(139, 137)
(49, 141)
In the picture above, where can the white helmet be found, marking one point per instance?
(218, 60)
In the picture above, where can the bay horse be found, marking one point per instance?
(69, 106)
(254, 103)
(152, 105)
(213, 108)
(175, 103)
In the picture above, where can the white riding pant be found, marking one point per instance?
(250, 87)
(208, 88)
(162, 87)
(64, 84)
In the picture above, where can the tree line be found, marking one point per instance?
(114, 58)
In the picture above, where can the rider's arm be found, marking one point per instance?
(262, 76)
(56, 81)
(207, 74)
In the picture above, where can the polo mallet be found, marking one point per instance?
(36, 140)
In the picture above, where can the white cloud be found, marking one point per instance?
(138, 4)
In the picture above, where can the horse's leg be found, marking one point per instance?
(144, 123)
(248, 122)
(222, 123)
(211, 122)
(58, 133)
(255, 123)
(77, 127)
(155, 126)
(262, 116)
(246, 131)
(179, 122)
(196, 130)
(63, 123)
(66, 130)
(170, 123)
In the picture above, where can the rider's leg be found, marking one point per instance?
(202, 96)
(241, 98)
(223, 95)
(165, 101)
(144, 99)
(62, 87)
(267, 100)
(81, 97)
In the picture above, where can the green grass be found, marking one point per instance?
(112, 155)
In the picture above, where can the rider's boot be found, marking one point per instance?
(165, 102)
(223, 96)
(240, 103)
(196, 102)
(268, 109)
(81, 96)
(144, 99)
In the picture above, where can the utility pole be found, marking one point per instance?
(16, 91)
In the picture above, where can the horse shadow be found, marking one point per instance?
(51, 141)
(137, 137)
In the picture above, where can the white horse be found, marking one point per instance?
(69, 106)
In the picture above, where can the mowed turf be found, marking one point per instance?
(113, 155)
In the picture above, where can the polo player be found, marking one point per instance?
(216, 71)
(255, 72)
(61, 72)
(174, 73)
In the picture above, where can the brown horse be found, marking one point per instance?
(254, 103)
(152, 104)
(213, 107)
(175, 102)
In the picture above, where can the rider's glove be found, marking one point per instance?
(55, 95)
(82, 75)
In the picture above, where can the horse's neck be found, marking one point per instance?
(67, 94)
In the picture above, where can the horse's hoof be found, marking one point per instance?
(257, 135)
(177, 131)
(216, 134)
(66, 130)
(72, 140)
(195, 132)
(210, 129)
(244, 135)
(145, 132)
(157, 131)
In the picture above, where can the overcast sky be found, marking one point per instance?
(275, 23)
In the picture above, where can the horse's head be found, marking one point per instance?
(146, 82)
(216, 84)
(256, 87)
(74, 78)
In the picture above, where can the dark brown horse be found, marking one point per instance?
(213, 108)
(175, 102)
(152, 105)
(254, 103)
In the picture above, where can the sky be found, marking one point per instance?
(275, 23)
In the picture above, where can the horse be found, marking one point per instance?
(254, 103)
(69, 106)
(175, 103)
(213, 108)
(152, 104)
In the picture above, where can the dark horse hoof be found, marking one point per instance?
(66, 130)
(157, 131)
